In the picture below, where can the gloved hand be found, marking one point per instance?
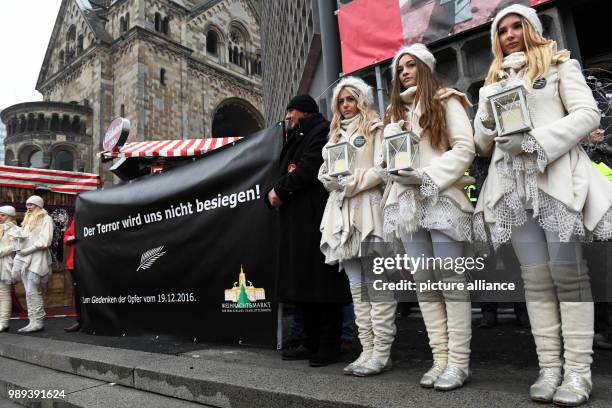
(26, 251)
(331, 183)
(511, 144)
(346, 180)
(407, 177)
(394, 128)
(485, 112)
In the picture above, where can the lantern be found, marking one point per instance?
(401, 151)
(340, 159)
(19, 241)
(511, 111)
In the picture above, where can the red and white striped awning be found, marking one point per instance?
(68, 182)
(170, 148)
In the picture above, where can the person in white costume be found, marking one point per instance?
(32, 264)
(543, 195)
(8, 230)
(427, 207)
(353, 217)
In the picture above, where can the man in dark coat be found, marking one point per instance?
(319, 290)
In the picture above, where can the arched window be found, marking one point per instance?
(230, 53)
(236, 56)
(63, 160)
(22, 123)
(31, 122)
(40, 122)
(237, 47)
(122, 111)
(55, 122)
(211, 42)
(76, 124)
(158, 22)
(127, 21)
(65, 127)
(162, 76)
(35, 160)
(165, 26)
(80, 44)
(9, 157)
(121, 24)
(71, 43)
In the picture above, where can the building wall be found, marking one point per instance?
(290, 35)
(119, 66)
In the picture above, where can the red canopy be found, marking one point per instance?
(68, 182)
(170, 148)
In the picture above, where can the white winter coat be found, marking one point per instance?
(38, 262)
(441, 202)
(7, 251)
(556, 179)
(353, 215)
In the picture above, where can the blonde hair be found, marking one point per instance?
(33, 218)
(368, 116)
(539, 52)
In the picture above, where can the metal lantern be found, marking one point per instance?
(401, 151)
(511, 111)
(340, 159)
(19, 241)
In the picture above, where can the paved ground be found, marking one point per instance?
(503, 361)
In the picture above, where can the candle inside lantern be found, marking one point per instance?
(340, 166)
(402, 160)
(512, 119)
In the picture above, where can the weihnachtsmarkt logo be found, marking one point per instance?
(245, 297)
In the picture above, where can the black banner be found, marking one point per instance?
(190, 252)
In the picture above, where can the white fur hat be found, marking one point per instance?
(357, 84)
(417, 50)
(8, 210)
(527, 12)
(36, 200)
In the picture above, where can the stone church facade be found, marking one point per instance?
(177, 69)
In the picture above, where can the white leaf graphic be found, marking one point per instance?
(149, 257)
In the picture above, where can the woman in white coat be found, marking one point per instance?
(8, 230)
(32, 264)
(427, 208)
(543, 195)
(352, 217)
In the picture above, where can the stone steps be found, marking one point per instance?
(237, 378)
(78, 391)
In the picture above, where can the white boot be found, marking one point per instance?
(363, 319)
(434, 316)
(459, 323)
(5, 306)
(577, 327)
(459, 327)
(431, 304)
(382, 313)
(543, 310)
(36, 313)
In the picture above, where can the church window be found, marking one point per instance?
(157, 22)
(211, 42)
(63, 160)
(165, 27)
(36, 159)
(162, 76)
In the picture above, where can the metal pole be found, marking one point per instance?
(379, 92)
